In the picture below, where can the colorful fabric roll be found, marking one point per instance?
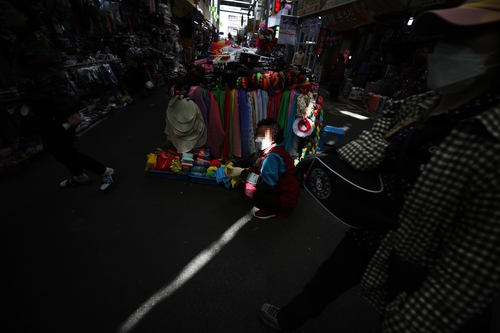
(198, 169)
(289, 129)
(215, 163)
(201, 162)
(244, 122)
(203, 153)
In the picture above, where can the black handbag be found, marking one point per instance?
(353, 197)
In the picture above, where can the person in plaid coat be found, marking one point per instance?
(439, 270)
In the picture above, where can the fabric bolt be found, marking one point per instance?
(257, 105)
(289, 126)
(283, 109)
(251, 123)
(236, 126)
(206, 99)
(244, 122)
(216, 133)
(195, 91)
(199, 169)
(270, 104)
(219, 95)
(227, 122)
(265, 101)
(201, 162)
(221, 177)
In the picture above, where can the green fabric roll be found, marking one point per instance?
(283, 112)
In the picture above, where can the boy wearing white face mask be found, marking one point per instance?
(438, 270)
(268, 173)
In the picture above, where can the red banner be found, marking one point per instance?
(321, 41)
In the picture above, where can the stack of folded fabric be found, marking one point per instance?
(203, 165)
(187, 161)
(185, 125)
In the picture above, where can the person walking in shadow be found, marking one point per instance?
(43, 88)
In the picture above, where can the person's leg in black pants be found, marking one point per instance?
(337, 274)
(59, 142)
(335, 91)
(267, 200)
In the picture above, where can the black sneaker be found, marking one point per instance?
(268, 313)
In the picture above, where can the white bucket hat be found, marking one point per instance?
(185, 125)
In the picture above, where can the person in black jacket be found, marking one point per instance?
(43, 87)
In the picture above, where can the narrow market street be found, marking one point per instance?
(159, 255)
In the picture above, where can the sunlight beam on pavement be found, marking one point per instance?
(186, 274)
(355, 115)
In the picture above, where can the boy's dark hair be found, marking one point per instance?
(277, 132)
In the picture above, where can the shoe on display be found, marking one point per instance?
(72, 182)
(263, 214)
(108, 180)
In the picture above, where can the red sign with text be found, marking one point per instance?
(323, 33)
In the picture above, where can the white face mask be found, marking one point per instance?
(261, 143)
(453, 68)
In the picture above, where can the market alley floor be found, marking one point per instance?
(159, 255)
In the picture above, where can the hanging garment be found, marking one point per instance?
(227, 128)
(220, 95)
(265, 100)
(258, 105)
(244, 122)
(216, 132)
(283, 109)
(251, 122)
(195, 91)
(236, 126)
(289, 128)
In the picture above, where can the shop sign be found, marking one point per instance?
(335, 40)
(288, 29)
(314, 25)
(308, 7)
(321, 41)
(335, 3)
(346, 17)
(277, 5)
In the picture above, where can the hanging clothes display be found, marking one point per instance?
(232, 114)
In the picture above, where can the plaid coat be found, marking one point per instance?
(449, 225)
